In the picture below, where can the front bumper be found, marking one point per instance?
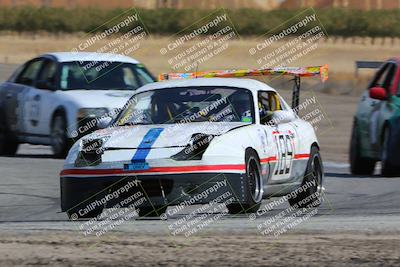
(158, 190)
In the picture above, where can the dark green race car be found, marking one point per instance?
(376, 127)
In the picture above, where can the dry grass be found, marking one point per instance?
(339, 54)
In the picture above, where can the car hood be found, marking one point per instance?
(97, 98)
(158, 136)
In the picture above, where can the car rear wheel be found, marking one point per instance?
(312, 183)
(359, 165)
(253, 186)
(59, 140)
(8, 144)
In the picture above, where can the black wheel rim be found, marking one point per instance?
(315, 175)
(254, 177)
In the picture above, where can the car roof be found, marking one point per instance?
(90, 56)
(250, 84)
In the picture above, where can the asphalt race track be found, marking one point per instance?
(29, 200)
(358, 223)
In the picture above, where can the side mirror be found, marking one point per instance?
(283, 116)
(46, 85)
(104, 122)
(378, 93)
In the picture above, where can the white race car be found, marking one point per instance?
(66, 90)
(180, 138)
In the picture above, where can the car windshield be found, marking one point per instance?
(190, 104)
(112, 76)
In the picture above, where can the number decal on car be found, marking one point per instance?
(285, 152)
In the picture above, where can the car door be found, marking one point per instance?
(370, 109)
(39, 100)
(16, 95)
(284, 136)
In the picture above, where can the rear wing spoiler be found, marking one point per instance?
(366, 64)
(296, 72)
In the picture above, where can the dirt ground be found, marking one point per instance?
(118, 249)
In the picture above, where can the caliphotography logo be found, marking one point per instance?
(207, 38)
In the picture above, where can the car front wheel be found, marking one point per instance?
(59, 139)
(253, 186)
(310, 196)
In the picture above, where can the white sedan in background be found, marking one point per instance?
(56, 98)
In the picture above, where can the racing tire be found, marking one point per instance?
(359, 165)
(60, 143)
(311, 197)
(388, 169)
(157, 211)
(253, 186)
(8, 144)
(74, 214)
